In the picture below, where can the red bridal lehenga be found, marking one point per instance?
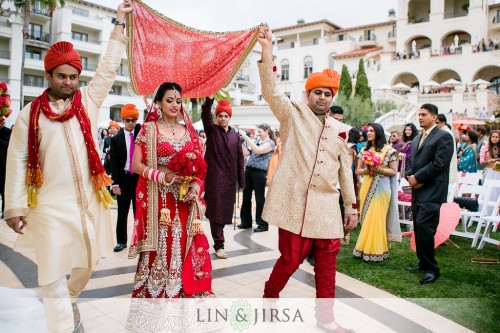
(172, 285)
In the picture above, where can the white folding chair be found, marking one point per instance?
(489, 213)
(491, 224)
(474, 191)
(469, 178)
(402, 204)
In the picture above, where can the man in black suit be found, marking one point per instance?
(4, 145)
(125, 180)
(112, 130)
(428, 174)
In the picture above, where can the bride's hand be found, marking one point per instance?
(191, 195)
(172, 179)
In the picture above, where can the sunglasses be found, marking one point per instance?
(133, 120)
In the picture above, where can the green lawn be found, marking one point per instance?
(467, 293)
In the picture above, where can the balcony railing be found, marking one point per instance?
(309, 42)
(286, 46)
(89, 67)
(87, 40)
(41, 38)
(4, 54)
(367, 38)
(40, 11)
(340, 38)
(453, 15)
(445, 51)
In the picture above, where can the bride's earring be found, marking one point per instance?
(158, 111)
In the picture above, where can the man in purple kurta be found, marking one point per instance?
(225, 161)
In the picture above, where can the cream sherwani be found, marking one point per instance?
(303, 197)
(68, 228)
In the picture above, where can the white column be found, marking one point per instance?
(16, 51)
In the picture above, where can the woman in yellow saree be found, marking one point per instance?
(378, 163)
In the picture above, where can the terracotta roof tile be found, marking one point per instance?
(357, 53)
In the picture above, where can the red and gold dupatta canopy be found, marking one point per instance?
(161, 49)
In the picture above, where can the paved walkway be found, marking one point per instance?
(104, 305)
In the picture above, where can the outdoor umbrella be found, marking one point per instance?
(448, 220)
(400, 86)
(383, 87)
(432, 84)
(468, 121)
(451, 83)
(481, 81)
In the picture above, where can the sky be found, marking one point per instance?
(231, 15)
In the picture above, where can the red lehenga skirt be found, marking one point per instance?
(172, 287)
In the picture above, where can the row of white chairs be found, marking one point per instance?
(486, 217)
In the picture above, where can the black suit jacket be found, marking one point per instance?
(431, 166)
(4, 145)
(118, 154)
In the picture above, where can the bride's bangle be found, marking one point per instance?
(144, 171)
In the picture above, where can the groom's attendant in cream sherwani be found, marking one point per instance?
(56, 185)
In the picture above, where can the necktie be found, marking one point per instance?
(131, 150)
(424, 134)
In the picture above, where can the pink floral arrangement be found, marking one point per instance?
(5, 110)
(371, 159)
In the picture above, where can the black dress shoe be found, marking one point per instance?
(412, 269)
(311, 261)
(242, 226)
(430, 277)
(259, 229)
(120, 247)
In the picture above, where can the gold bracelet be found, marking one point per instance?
(143, 171)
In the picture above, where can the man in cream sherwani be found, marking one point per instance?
(65, 222)
(303, 199)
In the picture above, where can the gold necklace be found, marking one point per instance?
(171, 127)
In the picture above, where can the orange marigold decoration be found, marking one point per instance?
(201, 62)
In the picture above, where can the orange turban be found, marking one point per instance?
(62, 53)
(326, 79)
(129, 111)
(114, 124)
(224, 106)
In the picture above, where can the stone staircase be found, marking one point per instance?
(396, 119)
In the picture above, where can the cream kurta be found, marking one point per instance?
(68, 228)
(303, 196)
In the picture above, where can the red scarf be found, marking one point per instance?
(34, 176)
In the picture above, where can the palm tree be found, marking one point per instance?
(25, 6)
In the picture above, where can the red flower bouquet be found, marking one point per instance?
(187, 165)
(371, 159)
(5, 110)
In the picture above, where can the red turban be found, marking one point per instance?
(62, 53)
(224, 106)
(326, 79)
(129, 111)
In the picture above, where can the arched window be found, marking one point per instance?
(495, 85)
(331, 60)
(308, 66)
(285, 70)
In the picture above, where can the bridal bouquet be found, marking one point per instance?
(187, 165)
(371, 159)
(5, 110)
